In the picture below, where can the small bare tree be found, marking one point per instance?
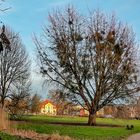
(137, 108)
(20, 99)
(93, 58)
(35, 103)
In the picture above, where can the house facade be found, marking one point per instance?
(48, 108)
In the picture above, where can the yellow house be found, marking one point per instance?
(48, 108)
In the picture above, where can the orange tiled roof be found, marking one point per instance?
(46, 102)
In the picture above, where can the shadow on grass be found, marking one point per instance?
(64, 123)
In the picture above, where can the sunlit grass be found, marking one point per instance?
(40, 125)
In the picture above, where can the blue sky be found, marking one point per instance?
(28, 17)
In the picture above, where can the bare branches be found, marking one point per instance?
(14, 65)
(93, 58)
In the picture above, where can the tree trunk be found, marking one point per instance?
(4, 123)
(92, 119)
(2, 126)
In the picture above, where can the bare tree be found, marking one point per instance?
(61, 100)
(20, 98)
(14, 65)
(35, 103)
(92, 57)
(137, 108)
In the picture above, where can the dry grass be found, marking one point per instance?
(4, 122)
(36, 136)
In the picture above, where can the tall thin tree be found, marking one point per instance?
(14, 64)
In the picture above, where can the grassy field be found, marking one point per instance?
(4, 136)
(41, 124)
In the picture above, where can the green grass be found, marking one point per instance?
(81, 132)
(44, 118)
(4, 136)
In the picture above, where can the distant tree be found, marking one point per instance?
(19, 102)
(137, 108)
(35, 103)
(110, 110)
(122, 112)
(93, 58)
(61, 100)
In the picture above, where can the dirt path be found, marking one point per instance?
(134, 137)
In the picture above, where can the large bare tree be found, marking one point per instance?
(14, 65)
(92, 57)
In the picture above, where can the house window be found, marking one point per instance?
(49, 109)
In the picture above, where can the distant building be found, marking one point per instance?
(101, 112)
(115, 111)
(48, 108)
(84, 112)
